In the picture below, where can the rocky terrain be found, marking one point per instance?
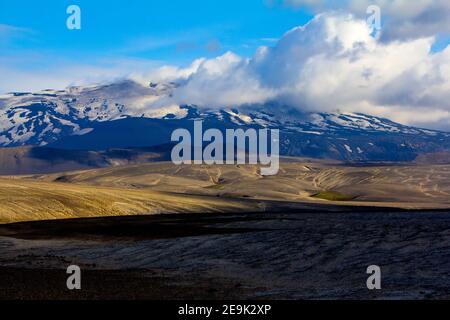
(296, 255)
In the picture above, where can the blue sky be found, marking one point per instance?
(120, 35)
(396, 75)
(399, 77)
(173, 31)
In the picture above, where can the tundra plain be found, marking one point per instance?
(162, 187)
(160, 231)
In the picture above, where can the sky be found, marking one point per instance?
(316, 55)
(175, 30)
(117, 33)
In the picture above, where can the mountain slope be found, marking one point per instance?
(31, 160)
(122, 115)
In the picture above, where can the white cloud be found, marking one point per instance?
(402, 19)
(10, 32)
(330, 64)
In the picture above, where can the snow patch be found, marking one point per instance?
(347, 147)
(82, 132)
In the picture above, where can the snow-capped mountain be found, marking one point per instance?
(123, 114)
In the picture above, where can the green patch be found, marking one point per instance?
(333, 196)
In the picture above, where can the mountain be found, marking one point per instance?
(118, 115)
(32, 160)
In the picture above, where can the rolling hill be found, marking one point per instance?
(162, 187)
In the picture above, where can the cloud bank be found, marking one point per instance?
(402, 19)
(330, 64)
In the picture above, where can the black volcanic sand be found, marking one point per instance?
(297, 255)
(42, 284)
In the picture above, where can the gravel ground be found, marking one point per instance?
(307, 255)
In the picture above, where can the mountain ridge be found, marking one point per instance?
(118, 115)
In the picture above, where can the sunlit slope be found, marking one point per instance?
(24, 200)
(410, 186)
(165, 188)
